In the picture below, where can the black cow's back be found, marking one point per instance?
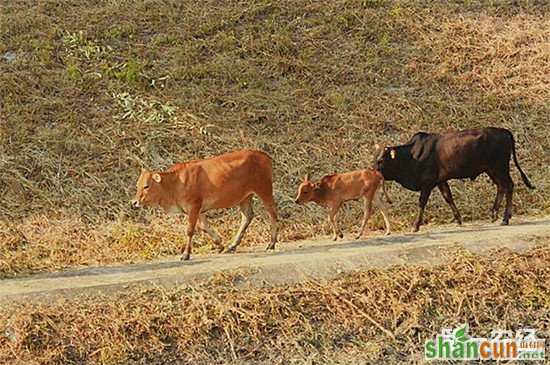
(469, 153)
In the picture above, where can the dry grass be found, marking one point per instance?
(366, 317)
(92, 90)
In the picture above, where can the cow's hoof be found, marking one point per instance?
(335, 238)
(358, 237)
(415, 229)
(341, 235)
(504, 223)
(387, 233)
(185, 257)
(230, 249)
(220, 249)
(270, 247)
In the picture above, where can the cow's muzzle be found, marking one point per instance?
(135, 204)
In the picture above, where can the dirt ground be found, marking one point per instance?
(290, 263)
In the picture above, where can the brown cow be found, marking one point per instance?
(333, 190)
(223, 181)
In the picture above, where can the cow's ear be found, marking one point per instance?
(306, 178)
(393, 153)
(157, 178)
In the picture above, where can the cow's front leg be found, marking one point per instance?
(424, 196)
(333, 210)
(193, 217)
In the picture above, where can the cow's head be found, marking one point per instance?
(147, 189)
(307, 191)
(387, 160)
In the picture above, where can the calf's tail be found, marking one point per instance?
(523, 176)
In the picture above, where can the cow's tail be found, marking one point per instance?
(523, 176)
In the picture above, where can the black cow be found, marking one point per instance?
(428, 160)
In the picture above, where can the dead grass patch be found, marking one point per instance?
(368, 316)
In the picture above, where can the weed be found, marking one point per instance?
(77, 45)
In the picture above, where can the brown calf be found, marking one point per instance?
(333, 190)
(223, 181)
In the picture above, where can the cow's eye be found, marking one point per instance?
(146, 187)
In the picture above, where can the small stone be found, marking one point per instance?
(9, 56)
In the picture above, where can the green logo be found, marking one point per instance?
(456, 344)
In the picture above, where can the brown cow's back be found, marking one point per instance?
(351, 185)
(331, 191)
(223, 181)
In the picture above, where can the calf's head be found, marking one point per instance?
(307, 191)
(147, 189)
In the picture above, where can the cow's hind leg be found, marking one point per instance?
(271, 207)
(367, 212)
(448, 196)
(203, 224)
(496, 204)
(509, 193)
(505, 186)
(501, 190)
(424, 196)
(247, 214)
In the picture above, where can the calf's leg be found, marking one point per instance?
(332, 218)
(193, 217)
(424, 196)
(445, 190)
(246, 217)
(203, 224)
(367, 212)
(380, 204)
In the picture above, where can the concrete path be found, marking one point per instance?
(291, 263)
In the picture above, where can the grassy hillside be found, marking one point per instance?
(90, 91)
